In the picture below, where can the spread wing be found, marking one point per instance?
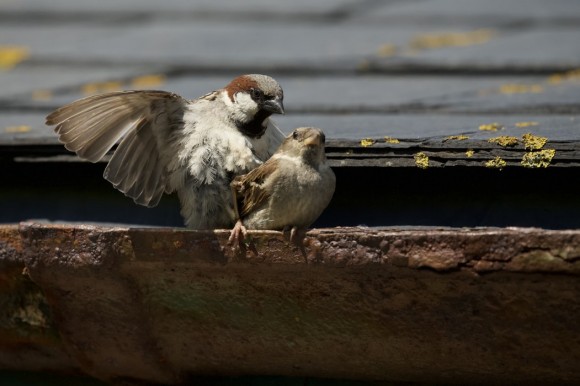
(138, 119)
(250, 193)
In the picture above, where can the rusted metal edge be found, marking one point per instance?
(396, 304)
(443, 249)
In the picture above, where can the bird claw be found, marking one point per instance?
(238, 236)
(296, 237)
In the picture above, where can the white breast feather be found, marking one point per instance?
(224, 147)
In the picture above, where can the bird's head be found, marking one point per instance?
(307, 143)
(252, 99)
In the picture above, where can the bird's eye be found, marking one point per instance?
(256, 94)
(295, 134)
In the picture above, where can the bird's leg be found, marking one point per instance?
(238, 234)
(297, 236)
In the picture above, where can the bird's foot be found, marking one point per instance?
(297, 236)
(238, 234)
(238, 237)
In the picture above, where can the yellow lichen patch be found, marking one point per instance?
(366, 142)
(533, 142)
(391, 140)
(387, 50)
(469, 153)
(41, 95)
(555, 79)
(515, 88)
(456, 138)
(17, 129)
(95, 88)
(504, 140)
(491, 127)
(10, 56)
(572, 75)
(421, 160)
(459, 39)
(538, 159)
(147, 81)
(526, 124)
(496, 163)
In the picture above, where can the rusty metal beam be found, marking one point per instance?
(411, 305)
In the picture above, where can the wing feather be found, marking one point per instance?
(249, 187)
(139, 120)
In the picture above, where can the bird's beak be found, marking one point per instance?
(274, 106)
(313, 140)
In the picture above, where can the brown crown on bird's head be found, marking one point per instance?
(263, 89)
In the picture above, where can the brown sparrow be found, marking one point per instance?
(171, 144)
(289, 191)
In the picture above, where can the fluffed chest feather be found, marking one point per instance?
(302, 194)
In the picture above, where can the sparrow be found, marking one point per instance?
(289, 191)
(167, 143)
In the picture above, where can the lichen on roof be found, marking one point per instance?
(533, 142)
(469, 153)
(460, 137)
(421, 160)
(452, 39)
(391, 140)
(526, 124)
(366, 142)
(504, 140)
(496, 163)
(558, 78)
(490, 127)
(514, 88)
(538, 159)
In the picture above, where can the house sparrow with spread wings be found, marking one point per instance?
(289, 191)
(170, 144)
